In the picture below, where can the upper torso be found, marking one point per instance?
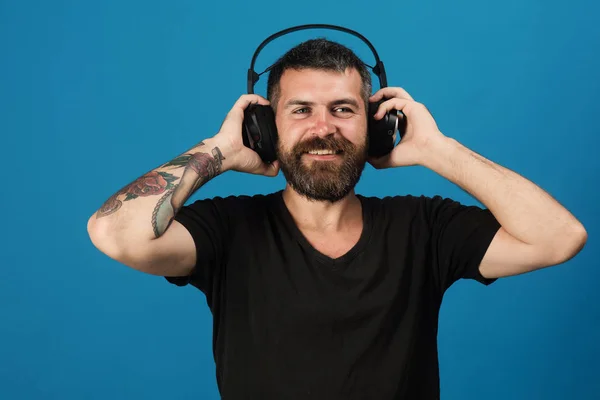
(292, 322)
(354, 322)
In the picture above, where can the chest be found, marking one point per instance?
(297, 284)
(333, 245)
(287, 280)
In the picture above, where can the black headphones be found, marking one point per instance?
(259, 131)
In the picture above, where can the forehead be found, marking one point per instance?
(319, 84)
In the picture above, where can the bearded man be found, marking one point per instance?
(317, 291)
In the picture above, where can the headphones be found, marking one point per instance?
(259, 131)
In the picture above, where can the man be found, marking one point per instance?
(316, 291)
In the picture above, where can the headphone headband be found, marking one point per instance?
(378, 69)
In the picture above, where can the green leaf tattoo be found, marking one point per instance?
(178, 162)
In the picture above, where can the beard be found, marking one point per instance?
(323, 180)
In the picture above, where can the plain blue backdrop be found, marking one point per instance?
(94, 94)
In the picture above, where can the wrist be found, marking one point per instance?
(220, 149)
(438, 154)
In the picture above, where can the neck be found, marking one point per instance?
(323, 216)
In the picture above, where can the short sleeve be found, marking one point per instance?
(460, 237)
(207, 222)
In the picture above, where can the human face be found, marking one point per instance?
(322, 126)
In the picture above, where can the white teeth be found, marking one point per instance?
(321, 152)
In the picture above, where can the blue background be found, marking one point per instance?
(94, 94)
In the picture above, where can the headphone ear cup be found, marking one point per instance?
(259, 131)
(381, 132)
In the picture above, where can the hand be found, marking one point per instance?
(239, 157)
(421, 129)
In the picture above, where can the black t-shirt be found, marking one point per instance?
(291, 323)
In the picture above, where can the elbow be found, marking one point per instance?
(103, 239)
(580, 237)
(120, 246)
(571, 243)
(112, 243)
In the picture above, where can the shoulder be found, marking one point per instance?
(407, 203)
(421, 209)
(242, 202)
(233, 206)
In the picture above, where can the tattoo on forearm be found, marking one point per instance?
(163, 214)
(150, 184)
(199, 168)
(110, 206)
(180, 161)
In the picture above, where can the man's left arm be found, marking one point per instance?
(536, 231)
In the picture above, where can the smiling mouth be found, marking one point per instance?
(324, 152)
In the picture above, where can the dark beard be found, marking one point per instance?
(324, 180)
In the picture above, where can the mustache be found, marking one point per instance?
(326, 143)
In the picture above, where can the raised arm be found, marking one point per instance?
(136, 225)
(536, 230)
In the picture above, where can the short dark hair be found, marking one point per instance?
(321, 54)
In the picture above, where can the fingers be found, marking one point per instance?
(392, 104)
(397, 97)
(388, 92)
(245, 100)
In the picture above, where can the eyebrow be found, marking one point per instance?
(298, 102)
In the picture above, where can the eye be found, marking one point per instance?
(300, 110)
(343, 112)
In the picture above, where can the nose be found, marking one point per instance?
(322, 124)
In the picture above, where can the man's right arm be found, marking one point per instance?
(136, 226)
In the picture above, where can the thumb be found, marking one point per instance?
(270, 169)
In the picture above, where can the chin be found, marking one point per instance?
(323, 177)
(323, 181)
(325, 196)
